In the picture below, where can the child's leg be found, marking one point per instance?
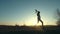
(41, 22)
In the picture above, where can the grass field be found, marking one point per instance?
(49, 29)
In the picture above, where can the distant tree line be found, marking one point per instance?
(58, 17)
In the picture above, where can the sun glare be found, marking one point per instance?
(32, 22)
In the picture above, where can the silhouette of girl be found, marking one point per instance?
(39, 17)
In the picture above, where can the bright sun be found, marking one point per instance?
(32, 22)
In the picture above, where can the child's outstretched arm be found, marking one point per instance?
(36, 10)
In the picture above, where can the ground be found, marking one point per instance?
(49, 29)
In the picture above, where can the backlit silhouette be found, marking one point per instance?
(39, 17)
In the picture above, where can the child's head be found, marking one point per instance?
(38, 11)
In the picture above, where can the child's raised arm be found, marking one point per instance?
(36, 11)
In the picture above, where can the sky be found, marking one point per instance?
(22, 12)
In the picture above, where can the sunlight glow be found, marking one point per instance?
(33, 22)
